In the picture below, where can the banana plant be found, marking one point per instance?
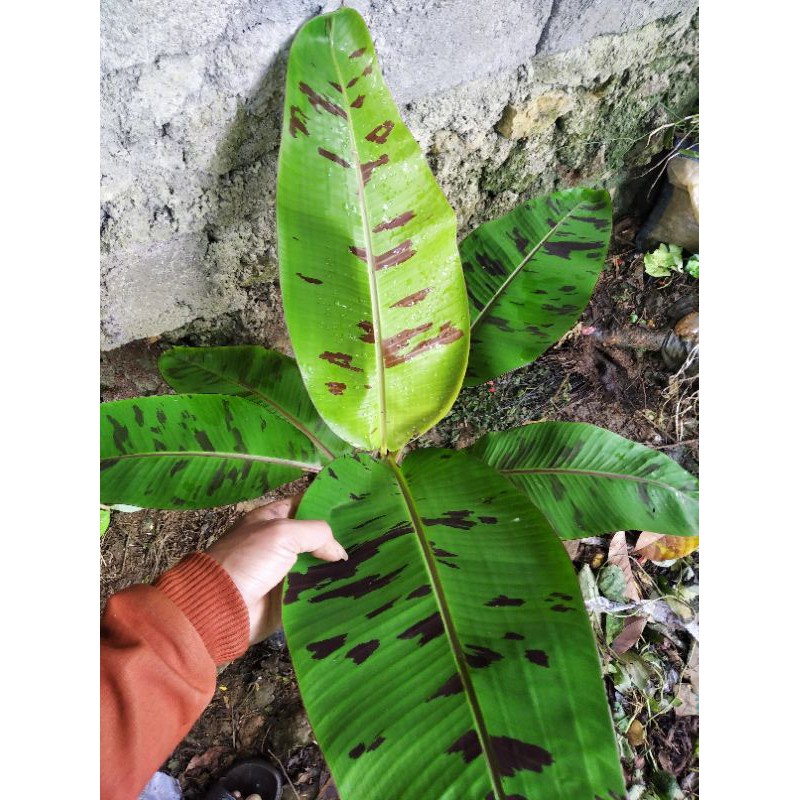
(451, 656)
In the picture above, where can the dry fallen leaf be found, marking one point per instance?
(656, 547)
(572, 546)
(634, 626)
(618, 554)
(636, 733)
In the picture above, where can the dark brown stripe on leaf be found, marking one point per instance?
(397, 255)
(468, 745)
(451, 686)
(513, 636)
(513, 755)
(336, 86)
(491, 265)
(358, 53)
(452, 519)
(537, 657)
(322, 575)
(420, 591)
(343, 360)
(367, 70)
(381, 609)
(481, 657)
(369, 332)
(318, 101)
(368, 168)
(427, 629)
(358, 102)
(502, 600)
(380, 133)
(376, 743)
(397, 222)
(447, 334)
(358, 750)
(359, 252)
(361, 652)
(315, 281)
(520, 242)
(566, 249)
(412, 299)
(324, 648)
(360, 588)
(352, 82)
(333, 157)
(297, 121)
(334, 387)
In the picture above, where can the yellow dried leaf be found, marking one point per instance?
(636, 733)
(656, 547)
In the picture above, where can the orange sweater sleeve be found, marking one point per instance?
(159, 648)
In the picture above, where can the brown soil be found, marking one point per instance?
(257, 708)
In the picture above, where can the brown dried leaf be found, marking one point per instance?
(572, 546)
(629, 635)
(618, 554)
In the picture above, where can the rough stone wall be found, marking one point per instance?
(509, 99)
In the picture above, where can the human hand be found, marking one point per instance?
(261, 548)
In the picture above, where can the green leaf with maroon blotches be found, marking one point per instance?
(372, 286)
(268, 378)
(588, 481)
(196, 451)
(529, 276)
(451, 654)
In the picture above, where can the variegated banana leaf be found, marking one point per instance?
(588, 481)
(529, 276)
(268, 378)
(372, 285)
(451, 656)
(196, 451)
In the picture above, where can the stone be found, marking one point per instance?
(535, 116)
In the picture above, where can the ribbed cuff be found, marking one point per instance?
(205, 593)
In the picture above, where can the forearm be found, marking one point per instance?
(160, 646)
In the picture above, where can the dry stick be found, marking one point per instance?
(283, 770)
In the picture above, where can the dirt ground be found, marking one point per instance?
(586, 377)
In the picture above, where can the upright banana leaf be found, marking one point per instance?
(451, 656)
(196, 451)
(372, 286)
(529, 276)
(263, 376)
(587, 480)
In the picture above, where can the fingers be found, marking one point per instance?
(279, 509)
(315, 537)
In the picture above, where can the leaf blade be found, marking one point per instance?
(358, 629)
(195, 451)
(589, 481)
(529, 276)
(263, 376)
(377, 259)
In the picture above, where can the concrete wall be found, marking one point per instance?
(508, 99)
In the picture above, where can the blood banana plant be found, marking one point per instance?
(451, 655)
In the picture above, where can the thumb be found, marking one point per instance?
(315, 537)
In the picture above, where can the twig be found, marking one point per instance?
(283, 770)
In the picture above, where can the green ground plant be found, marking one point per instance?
(451, 656)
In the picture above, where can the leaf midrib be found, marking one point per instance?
(214, 454)
(292, 420)
(492, 300)
(592, 474)
(368, 247)
(450, 632)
